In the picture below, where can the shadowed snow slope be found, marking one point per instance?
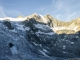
(38, 37)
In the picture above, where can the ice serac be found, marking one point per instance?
(38, 37)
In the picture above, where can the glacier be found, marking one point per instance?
(33, 39)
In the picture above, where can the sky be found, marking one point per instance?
(64, 10)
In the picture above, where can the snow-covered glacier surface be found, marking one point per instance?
(33, 40)
(21, 49)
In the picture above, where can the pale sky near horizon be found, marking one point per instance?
(64, 10)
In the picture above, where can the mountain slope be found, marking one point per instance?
(57, 26)
(38, 37)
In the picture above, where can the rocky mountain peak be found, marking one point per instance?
(57, 26)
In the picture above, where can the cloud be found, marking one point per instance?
(71, 15)
(7, 4)
(59, 4)
(41, 8)
(66, 9)
(2, 14)
(13, 13)
(9, 13)
(58, 16)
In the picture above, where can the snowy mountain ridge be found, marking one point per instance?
(57, 26)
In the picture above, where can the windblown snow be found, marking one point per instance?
(44, 20)
(13, 19)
